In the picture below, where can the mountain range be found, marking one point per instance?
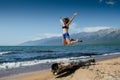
(104, 36)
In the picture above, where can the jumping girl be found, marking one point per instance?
(65, 22)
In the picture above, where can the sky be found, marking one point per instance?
(29, 20)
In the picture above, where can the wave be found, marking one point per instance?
(9, 65)
(24, 56)
(41, 51)
(6, 52)
(77, 54)
(111, 54)
(27, 51)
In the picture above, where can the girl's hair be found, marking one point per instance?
(66, 20)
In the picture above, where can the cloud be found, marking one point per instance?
(93, 29)
(100, 0)
(109, 2)
(74, 28)
(46, 35)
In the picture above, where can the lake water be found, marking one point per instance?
(19, 56)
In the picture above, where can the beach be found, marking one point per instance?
(34, 62)
(102, 70)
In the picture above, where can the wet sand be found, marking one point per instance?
(102, 70)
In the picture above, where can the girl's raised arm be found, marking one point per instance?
(61, 21)
(75, 14)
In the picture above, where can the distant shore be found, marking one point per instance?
(106, 67)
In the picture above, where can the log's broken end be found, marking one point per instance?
(54, 68)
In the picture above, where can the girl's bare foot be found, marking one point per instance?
(78, 40)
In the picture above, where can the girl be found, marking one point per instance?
(65, 27)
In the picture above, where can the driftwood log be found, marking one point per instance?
(60, 67)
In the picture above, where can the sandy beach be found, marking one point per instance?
(102, 70)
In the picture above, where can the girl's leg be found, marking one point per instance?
(69, 42)
(64, 42)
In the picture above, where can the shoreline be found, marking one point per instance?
(102, 70)
(36, 69)
(23, 70)
(24, 74)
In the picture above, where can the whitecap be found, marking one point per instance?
(6, 52)
(11, 65)
(111, 54)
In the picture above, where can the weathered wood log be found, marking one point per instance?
(60, 67)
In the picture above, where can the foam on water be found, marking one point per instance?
(111, 54)
(6, 52)
(11, 65)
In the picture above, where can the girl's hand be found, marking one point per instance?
(75, 14)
